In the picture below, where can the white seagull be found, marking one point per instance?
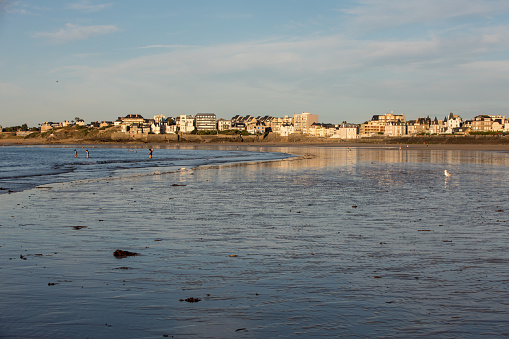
(447, 174)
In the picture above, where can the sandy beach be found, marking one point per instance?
(351, 240)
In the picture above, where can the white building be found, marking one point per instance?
(452, 122)
(224, 125)
(286, 129)
(186, 123)
(347, 132)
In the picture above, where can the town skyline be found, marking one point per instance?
(176, 115)
(343, 60)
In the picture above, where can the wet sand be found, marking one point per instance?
(367, 242)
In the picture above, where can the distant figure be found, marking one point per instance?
(75, 153)
(87, 153)
(447, 174)
(150, 153)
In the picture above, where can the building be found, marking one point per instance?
(302, 122)
(286, 129)
(276, 124)
(437, 127)
(48, 125)
(159, 119)
(322, 130)
(347, 131)
(482, 123)
(452, 122)
(419, 126)
(135, 124)
(205, 121)
(132, 119)
(378, 123)
(186, 123)
(224, 125)
(395, 129)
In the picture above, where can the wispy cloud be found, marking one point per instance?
(75, 33)
(166, 46)
(20, 8)
(376, 14)
(85, 6)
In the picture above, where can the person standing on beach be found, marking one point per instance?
(75, 153)
(87, 153)
(150, 153)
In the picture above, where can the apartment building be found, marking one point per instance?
(205, 121)
(303, 121)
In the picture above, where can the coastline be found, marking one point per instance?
(426, 144)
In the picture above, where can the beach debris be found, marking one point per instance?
(22, 257)
(178, 185)
(233, 255)
(78, 227)
(190, 300)
(243, 329)
(354, 206)
(377, 277)
(52, 284)
(123, 268)
(123, 254)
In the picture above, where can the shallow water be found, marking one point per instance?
(360, 243)
(27, 167)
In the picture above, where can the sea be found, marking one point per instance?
(253, 242)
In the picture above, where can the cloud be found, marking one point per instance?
(370, 15)
(75, 32)
(86, 7)
(20, 8)
(166, 46)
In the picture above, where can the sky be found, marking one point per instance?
(342, 60)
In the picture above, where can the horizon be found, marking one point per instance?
(341, 60)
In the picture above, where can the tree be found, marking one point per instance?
(24, 127)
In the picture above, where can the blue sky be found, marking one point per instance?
(342, 60)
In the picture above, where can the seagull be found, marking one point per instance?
(447, 174)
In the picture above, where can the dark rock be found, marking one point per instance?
(122, 254)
